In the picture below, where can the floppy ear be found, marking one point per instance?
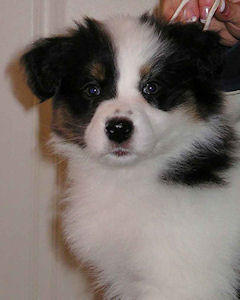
(201, 48)
(45, 65)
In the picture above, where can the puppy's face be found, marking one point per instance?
(127, 88)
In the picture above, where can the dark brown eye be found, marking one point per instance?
(150, 88)
(92, 90)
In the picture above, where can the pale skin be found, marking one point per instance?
(226, 20)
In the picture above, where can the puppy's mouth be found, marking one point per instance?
(120, 152)
(120, 155)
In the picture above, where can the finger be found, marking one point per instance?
(231, 13)
(190, 12)
(220, 27)
(205, 7)
(231, 17)
(234, 30)
(167, 8)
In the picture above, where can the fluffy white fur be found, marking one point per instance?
(151, 240)
(147, 239)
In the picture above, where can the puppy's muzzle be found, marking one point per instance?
(119, 130)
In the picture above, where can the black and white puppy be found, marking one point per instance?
(154, 200)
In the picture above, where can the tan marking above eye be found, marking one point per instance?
(97, 70)
(145, 70)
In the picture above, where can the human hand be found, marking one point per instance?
(190, 12)
(226, 20)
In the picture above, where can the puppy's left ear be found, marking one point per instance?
(45, 65)
(202, 50)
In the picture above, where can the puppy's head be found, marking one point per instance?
(127, 88)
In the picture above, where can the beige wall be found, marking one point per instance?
(33, 262)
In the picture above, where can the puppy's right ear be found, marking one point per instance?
(45, 65)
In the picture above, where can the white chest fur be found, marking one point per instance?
(151, 241)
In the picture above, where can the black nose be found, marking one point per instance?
(119, 129)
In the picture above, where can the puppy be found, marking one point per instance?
(153, 203)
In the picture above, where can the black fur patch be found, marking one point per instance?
(194, 65)
(62, 67)
(92, 45)
(205, 163)
(191, 75)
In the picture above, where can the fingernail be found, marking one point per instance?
(192, 20)
(188, 16)
(226, 13)
(223, 6)
(204, 13)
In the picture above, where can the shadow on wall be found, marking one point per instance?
(28, 101)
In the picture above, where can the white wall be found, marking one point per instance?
(33, 262)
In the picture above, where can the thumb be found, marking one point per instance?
(231, 12)
(231, 16)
